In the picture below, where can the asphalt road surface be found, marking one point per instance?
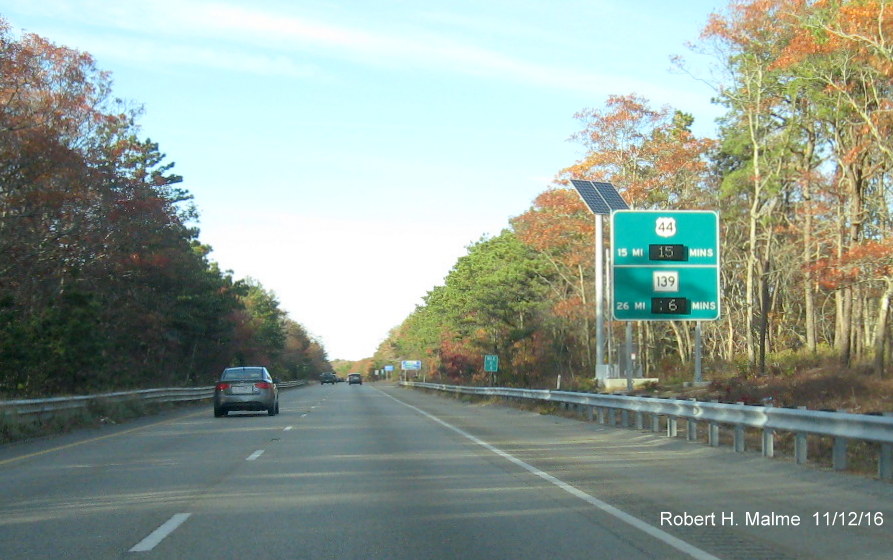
(374, 471)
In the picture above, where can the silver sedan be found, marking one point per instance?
(246, 388)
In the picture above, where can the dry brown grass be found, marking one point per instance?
(816, 389)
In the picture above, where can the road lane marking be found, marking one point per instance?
(304, 415)
(255, 455)
(160, 533)
(288, 428)
(643, 526)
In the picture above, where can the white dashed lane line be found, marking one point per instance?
(255, 455)
(160, 533)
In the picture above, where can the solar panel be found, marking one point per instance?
(590, 196)
(611, 196)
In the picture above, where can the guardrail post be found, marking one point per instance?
(655, 423)
(601, 414)
(640, 420)
(713, 434)
(624, 418)
(589, 413)
(885, 459)
(838, 454)
(612, 414)
(801, 448)
(839, 451)
(768, 442)
(671, 426)
(691, 427)
(739, 436)
(768, 446)
(885, 462)
(801, 445)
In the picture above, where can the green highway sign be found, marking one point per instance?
(491, 363)
(665, 265)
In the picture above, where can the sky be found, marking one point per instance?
(345, 153)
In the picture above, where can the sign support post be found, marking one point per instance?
(599, 295)
(602, 199)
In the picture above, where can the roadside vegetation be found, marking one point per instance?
(800, 173)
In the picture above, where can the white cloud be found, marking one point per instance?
(225, 35)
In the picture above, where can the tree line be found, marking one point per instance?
(800, 173)
(103, 282)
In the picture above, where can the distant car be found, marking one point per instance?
(339, 379)
(328, 378)
(354, 378)
(246, 388)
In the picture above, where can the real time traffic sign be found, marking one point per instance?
(665, 265)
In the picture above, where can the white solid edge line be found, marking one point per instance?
(160, 533)
(255, 455)
(643, 526)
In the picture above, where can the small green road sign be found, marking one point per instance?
(491, 363)
(665, 265)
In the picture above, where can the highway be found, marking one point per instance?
(375, 471)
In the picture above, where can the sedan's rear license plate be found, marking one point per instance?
(242, 390)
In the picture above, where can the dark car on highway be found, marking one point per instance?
(354, 378)
(246, 388)
(328, 377)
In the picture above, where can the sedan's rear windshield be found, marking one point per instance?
(248, 374)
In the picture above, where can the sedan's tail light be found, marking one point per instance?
(222, 386)
(263, 385)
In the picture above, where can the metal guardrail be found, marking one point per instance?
(842, 427)
(49, 406)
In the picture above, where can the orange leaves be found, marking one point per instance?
(570, 308)
(864, 28)
(560, 225)
(650, 155)
(853, 29)
(459, 360)
(866, 261)
(752, 25)
(530, 353)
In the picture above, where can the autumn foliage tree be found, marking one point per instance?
(561, 229)
(103, 283)
(800, 173)
(808, 100)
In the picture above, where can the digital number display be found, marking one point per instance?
(669, 306)
(667, 253)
